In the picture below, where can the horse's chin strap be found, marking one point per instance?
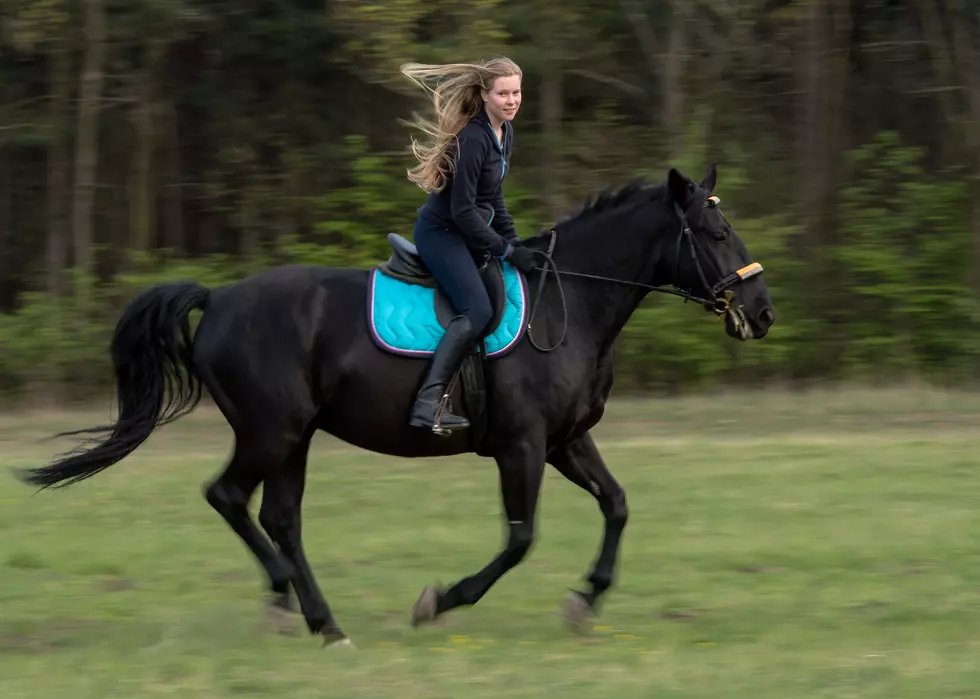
(721, 292)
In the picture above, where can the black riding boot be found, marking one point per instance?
(446, 360)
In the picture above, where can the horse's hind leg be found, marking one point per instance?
(580, 462)
(229, 494)
(280, 516)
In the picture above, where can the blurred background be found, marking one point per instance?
(143, 140)
(818, 543)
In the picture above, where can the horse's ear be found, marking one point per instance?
(680, 187)
(710, 177)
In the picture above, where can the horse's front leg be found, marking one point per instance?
(579, 461)
(521, 466)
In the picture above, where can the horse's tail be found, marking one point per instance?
(152, 354)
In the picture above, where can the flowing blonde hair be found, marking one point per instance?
(457, 99)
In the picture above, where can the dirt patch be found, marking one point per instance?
(680, 614)
(22, 560)
(42, 637)
(17, 643)
(756, 569)
(918, 567)
(117, 584)
(234, 576)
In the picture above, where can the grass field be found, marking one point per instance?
(825, 545)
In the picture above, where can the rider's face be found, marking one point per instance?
(504, 98)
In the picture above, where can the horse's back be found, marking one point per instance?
(277, 284)
(285, 299)
(259, 336)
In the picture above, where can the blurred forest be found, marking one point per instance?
(143, 140)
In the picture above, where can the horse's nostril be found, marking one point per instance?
(766, 317)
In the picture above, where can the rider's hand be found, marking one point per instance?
(522, 258)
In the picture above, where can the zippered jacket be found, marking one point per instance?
(472, 202)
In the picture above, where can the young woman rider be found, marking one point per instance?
(464, 219)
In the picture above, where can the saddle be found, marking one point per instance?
(408, 312)
(406, 265)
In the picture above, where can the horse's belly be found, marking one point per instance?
(369, 403)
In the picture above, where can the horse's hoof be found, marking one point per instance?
(338, 642)
(426, 607)
(283, 619)
(335, 638)
(282, 600)
(578, 613)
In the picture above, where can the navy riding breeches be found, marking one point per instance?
(448, 257)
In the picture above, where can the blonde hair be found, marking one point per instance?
(457, 99)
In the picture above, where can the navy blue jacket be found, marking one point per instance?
(472, 202)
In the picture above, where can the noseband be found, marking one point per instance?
(722, 292)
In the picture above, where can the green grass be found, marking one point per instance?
(825, 545)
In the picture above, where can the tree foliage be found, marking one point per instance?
(217, 138)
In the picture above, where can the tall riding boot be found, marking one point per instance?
(430, 409)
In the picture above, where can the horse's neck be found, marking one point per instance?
(620, 246)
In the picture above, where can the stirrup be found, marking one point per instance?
(445, 405)
(439, 406)
(437, 428)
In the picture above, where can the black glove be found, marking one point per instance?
(522, 258)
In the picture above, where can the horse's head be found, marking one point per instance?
(710, 260)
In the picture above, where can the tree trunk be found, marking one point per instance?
(87, 152)
(647, 39)
(6, 232)
(810, 136)
(672, 90)
(966, 56)
(551, 115)
(173, 213)
(831, 114)
(820, 80)
(248, 215)
(207, 224)
(142, 216)
(288, 197)
(665, 67)
(838, 27)
(822, 75)
(954, 62)
(939, 52)
(57, 206)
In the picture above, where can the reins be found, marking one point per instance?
(721, 291)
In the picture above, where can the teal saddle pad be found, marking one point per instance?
(404, 320)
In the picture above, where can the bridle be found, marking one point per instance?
(721, 293)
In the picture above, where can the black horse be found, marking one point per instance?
(289, 351)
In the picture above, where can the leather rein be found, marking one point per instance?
(721, 292)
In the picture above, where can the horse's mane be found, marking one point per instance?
(611, 198)
(608, 199)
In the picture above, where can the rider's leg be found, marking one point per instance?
(452, 263)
